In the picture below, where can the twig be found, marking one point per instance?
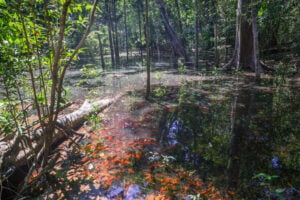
(65, 132)
(45, 117)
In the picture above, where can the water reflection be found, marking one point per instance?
(233, 131)
(244, 131)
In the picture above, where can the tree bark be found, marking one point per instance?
(243, 56)
(126, 31)
(176, 43)
(148, 50)
(179, 16)
(157, 44)
(140, 32)
(180, 23)
(101, 52)
(196, 34)
(110, 34)
(116, 34)
(216, 44)
(257, 65)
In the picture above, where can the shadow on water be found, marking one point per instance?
(239, 134)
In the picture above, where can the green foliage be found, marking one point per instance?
(158, 76)
(6, 123)
(266, 182)
(90, 72)
(265, 177)
(35, 51)
(165, 160)
(159, 91)
(95, 121)
(284, 70)
(181, 67)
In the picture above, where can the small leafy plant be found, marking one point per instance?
(95, 121)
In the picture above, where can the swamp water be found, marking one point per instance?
(239, 135)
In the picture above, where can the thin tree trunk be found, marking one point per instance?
(101, 52)
(140, 34)
(180, 22)
(234, 61)
(174, 58)
(226, 42)
(257, 65)
(126, 31)
(178, 16)
(177, 45)
(216, 44)
(116, 34)
(196, 34)
(111, 46)
(157, 44)
(110, 34)
(49, 128)
(148, 49)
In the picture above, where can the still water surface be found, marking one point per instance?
(240, 134)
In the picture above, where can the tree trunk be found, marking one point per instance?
(148, 50)
(174, 58)
(216, 44)
(157, 44)
(140, 34)
(116, 34)
(177, 45)
(111, 45)
(256, 62)
(180, 22)
(243, 56)
(126, 31)
(101, 52)
(196, 34)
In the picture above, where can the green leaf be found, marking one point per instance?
(2, 2)
(280, 190)
(41, 98)
(88, 7)
(260, 175)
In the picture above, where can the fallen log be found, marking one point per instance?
(21, 149)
